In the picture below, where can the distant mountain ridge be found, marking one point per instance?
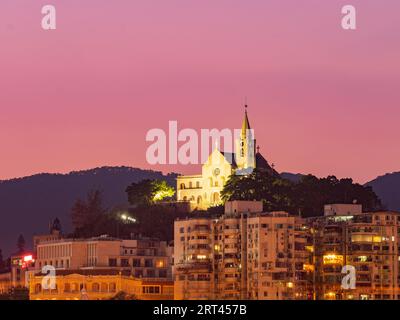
(28, 204)
(294, 177)
(387, 187)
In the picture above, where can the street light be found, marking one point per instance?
(127, 218)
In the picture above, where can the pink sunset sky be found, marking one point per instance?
(322, 100)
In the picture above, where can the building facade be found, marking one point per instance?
(99, 284)
(244, 254)
(5, 283)
(144, 258)
(369, 242)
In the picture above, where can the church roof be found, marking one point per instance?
(245, 124)
(230, 157)
(262, 163)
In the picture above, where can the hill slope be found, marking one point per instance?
(28, 204)
(387, 187)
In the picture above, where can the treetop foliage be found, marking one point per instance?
(306, 197)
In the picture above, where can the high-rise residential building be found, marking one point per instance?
(193, 259)
(369, 242)
(244, 254)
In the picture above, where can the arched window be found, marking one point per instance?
(184, 198)
(95, 287)
(192, 198)
(190, 185)
(182, 186)
(198, 184)
(215, 197)
(75, 287)
(199, 200)
(104, 287)
(38, 288)
(67, 287)
(113, 287)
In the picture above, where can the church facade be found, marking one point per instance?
(204, 190)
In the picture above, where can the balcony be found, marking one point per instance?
(195, 264)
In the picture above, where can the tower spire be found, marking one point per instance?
(246, 123)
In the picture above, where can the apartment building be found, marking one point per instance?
(244, 254)
(367, 241)
(193, 259)
(144, 257)
(276, 257)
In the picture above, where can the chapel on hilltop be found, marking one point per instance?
(203, 190)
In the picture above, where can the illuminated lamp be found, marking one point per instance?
(28, 258)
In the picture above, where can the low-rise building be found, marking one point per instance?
(143, 257)
(5, 282)
(99, 284)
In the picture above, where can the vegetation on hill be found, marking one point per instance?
(29, 204)
(148, 192)
(147, 218)
(306, 197)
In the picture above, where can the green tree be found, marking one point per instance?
(311, 194)
(148, 192)
(306, 197)
(260, 185)
(2, 265)
(21, 243)
(88, 216)
(156, 221)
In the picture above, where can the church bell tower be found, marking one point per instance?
(245, 145)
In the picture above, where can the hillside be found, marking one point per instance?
(387, 187)
(28, 204)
